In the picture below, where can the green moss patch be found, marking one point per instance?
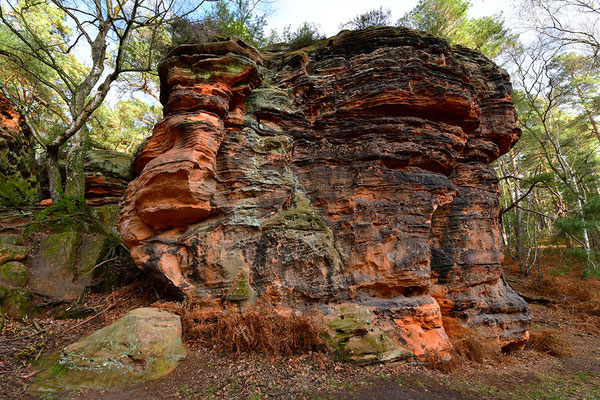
(300, 217)
(11, 252)
(143, 345)
(15, 301)
(240, 290)
(14, 273)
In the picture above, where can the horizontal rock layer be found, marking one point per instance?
(351, 176)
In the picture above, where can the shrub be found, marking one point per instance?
(375, 17)
(305, 35)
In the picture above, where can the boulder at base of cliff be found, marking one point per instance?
(143, 345)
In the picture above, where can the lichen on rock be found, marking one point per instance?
(142, 345)
(350, 174)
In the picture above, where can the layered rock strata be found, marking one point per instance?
(351, 176)
(107, 174)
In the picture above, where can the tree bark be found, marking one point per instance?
(519, 215)
(75, 177)
(54, 178)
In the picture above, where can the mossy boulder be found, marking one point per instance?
(11, 252)
(16, 302)
(13, 273)
(65, 265)
(356, 337)
(143, 345)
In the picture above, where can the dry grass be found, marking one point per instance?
(562, 282)
(576, 294)
(549, 341)
(468, 345)
(259, 328)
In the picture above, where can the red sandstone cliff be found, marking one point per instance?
(351, 176)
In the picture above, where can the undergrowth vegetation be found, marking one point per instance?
(259, 328)
(550, 341)
(468, 345)
(67, 214)
(558, 278)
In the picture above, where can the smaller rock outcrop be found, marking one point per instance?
(14, 297)
(64, 265)
(18, 168)
(107, 174)
(143, 345)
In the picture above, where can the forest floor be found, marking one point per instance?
(569, 309)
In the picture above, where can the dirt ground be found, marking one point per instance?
(208, 374)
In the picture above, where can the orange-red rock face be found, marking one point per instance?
(352, 176)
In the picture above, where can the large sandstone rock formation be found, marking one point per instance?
(352, 176)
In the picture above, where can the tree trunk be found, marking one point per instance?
(54, 179)
(75, 177)
(519, 215)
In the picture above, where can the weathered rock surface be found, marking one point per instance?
(143, 345)
(18, 167)
(352, 176)
(63, 265)
(14, 298)
(107, 174)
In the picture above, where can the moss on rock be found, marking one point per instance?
(14, 273)
(240, 289)
(16, 302)
(350, 317)
(300, 217)
(143, 345)
(356, 339)
(107, 216)
(52, 272)
(11, 252)
(91, 252)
